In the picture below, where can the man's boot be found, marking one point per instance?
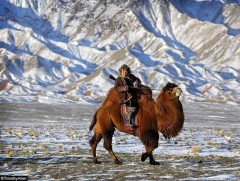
(131, 116)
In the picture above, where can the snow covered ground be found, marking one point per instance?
(47, 141)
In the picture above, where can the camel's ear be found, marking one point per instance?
(167, 86)
(170, 85)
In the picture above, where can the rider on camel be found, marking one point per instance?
(125, 85)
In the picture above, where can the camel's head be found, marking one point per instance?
(172, 91)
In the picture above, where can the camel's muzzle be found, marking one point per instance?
(178, 92)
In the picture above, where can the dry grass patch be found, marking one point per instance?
(196, 150)
(10, 152)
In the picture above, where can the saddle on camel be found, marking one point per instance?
(164, 115)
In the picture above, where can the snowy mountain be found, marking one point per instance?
(64, 50)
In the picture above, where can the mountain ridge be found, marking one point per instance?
(73, 46)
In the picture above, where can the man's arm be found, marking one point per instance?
(136, 80)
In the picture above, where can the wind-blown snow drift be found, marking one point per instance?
(64, 50)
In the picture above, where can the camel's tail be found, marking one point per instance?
(94, 121)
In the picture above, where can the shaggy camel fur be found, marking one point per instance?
(164, 115)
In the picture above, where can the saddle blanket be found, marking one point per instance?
(125, 110)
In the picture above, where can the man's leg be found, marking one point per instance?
(132, 116)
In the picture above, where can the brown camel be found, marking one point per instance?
(165, 115)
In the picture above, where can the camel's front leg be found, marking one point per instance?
(149, 154)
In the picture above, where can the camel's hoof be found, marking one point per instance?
(117, 162)
(144, 156)
(154, 163)
(95, 161)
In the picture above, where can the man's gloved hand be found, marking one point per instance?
(136, 83)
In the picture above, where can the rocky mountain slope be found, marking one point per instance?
(64, 50)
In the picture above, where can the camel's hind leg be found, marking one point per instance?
(93, 143)
(108, 146)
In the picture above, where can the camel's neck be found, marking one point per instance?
(170, 109)
(170, 116)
